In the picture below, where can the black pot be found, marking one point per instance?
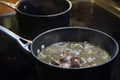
(32, 20)
(71, 34)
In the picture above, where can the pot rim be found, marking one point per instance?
(51, 15)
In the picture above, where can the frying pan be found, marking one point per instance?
(69, 34)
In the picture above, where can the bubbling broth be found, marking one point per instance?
(73, 54)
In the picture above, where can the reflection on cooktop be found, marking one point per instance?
(116, 1)
(14, 63)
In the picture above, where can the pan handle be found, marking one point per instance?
(24, 43)
(13, 6)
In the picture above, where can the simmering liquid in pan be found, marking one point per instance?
(73, 54)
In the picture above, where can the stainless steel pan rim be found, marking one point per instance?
(8, 14)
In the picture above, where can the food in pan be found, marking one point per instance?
(73, 55)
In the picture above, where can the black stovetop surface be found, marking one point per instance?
(16, 65)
